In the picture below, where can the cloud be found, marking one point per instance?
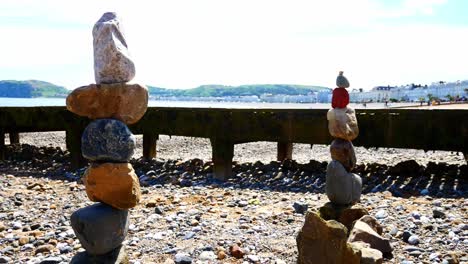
(409, 8)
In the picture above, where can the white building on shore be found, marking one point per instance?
(411, 92)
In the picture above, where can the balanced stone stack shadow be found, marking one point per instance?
(107, 142)
(342, 231)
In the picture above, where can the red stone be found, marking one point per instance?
(340, 98)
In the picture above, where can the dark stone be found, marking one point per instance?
(300, 207)
(107, 140)
(406, 235)
(51, 260)
(438, 213)
(100, 227)
(407, 167)
(116, 256)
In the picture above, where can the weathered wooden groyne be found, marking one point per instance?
(394, 128)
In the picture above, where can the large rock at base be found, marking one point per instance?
(112, 63)
(342, 213)
(343, 151)
(100, 228)
(116, 256)
(115, 184)
(340, 98)
(363, 232)
(342, 187)
(321, 241)
(342, 123)
(125, 102)
(107, 140)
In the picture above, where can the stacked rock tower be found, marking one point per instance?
(108, 144)
(341, 231)
(342, 186)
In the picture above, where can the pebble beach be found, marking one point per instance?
(186, 216)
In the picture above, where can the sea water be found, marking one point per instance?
(31, 102)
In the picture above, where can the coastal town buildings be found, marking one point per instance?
(443, 91)
(412, 93)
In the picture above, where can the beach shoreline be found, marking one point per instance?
(184, 210)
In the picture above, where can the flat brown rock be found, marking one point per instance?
(125, 102)
(343, 214)
(365, 233)
(115, 184)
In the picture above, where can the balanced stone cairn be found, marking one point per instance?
(342, 186)
(341, 231)
(109, 145)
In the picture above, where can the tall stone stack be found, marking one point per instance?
(342, 186)
(108, 144)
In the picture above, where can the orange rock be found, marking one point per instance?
(236, 251)
(125, 102)
(115, 184)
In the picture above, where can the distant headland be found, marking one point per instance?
(36, 88)
(31, 89)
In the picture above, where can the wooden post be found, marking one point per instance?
(149, 145)
(73, 141)
(14, 138)
(2, 144)
(285, 150)
(222, 152)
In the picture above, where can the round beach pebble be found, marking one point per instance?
(342, 123)
(107, 140)
(340, 98)
(341, 81)
(115, 184)
(341, 186)
(112, 62)
(100, 227)
(343, 151)
(122, 101)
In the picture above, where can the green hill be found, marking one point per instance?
(34, 88)
(31, 88)
(242, 90)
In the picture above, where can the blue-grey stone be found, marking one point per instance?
(182, 258)
(341, 81)
(100, 227)
(107, 140)
(413, 240)
(342, 187)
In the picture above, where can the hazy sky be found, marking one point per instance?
(183, 44)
